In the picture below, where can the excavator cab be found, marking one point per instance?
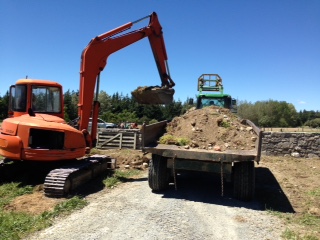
(35, 96)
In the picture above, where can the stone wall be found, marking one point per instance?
(305, 145)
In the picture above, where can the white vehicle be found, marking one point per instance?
(102, 124)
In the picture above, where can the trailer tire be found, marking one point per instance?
(158, 176)
(244, 180)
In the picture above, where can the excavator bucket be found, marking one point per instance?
(153, 95)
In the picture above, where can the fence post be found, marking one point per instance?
(143, 129)
(135, 141)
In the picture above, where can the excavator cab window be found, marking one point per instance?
(18, 96)
(46, 99)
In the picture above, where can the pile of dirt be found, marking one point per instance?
(128, 158)
(212, 128)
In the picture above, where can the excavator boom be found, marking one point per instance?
(94, 59)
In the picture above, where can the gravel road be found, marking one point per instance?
(195, 211)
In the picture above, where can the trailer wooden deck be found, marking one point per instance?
(173, 151)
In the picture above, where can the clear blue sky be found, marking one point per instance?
(262, 49)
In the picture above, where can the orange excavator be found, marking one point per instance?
(35, 131)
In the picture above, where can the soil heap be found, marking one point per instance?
(212, 128)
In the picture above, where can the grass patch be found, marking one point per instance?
(291, 235)
(314, 193)
(17, 225)
(298, 225)
(120, 176)
(11, 190)
(172, 140)
(225, 124)
(309, 220)
(66, 207)
(305, 226)
(94, 151)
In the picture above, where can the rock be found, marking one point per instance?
(145, 165)
(127, 166)
(295, 154)
(194, 144)
(198, 130)
(217, 148)
(136, 163)
(253, 139)
(219, 121)
(311, 155)
(297, 148)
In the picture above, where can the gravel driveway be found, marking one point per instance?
(195, 211)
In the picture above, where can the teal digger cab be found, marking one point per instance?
(210, 90)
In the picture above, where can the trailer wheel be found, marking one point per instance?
(243, 180)
(158, 177)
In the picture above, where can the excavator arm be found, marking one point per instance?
(94, 59)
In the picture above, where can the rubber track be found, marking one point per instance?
(61, 181)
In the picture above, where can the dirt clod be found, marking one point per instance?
(153, 95)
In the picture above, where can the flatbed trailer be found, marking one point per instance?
(236, 166)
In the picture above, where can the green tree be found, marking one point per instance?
(246, 110)
(71, 100)
(313, 123)
(105, 102)
(4, 103)
(269, 113)
(172, 110)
